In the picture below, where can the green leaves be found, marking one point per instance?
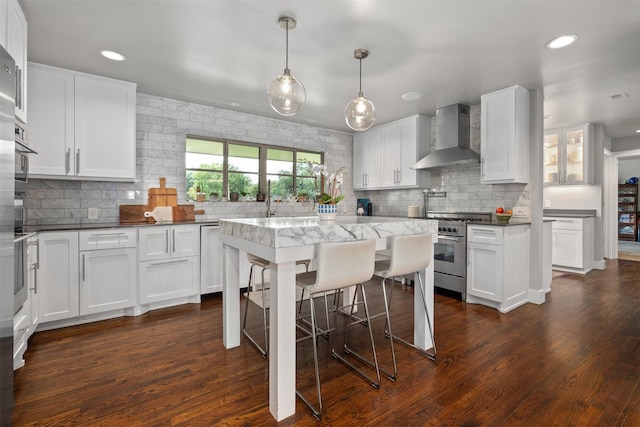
(326, 199)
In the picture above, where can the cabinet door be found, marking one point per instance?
(359, 161)
(504, 134)
(153, 243)
(552, 158)
(107, 280)
(185, 241)
(409, 140)
(4, 14)
(105, 128)
(567, 248)
(210, 262)
(17, 48)
(391, 155)
(59, 281)
(374, 158)
(575, 154)
(484, 271)
(51, 121)
(32, 281)
(165, 280)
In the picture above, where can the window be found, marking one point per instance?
(218, 167)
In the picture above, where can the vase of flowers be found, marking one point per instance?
(328, 202)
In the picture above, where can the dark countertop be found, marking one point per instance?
(511, 223)
(94, 226)
(569, 213)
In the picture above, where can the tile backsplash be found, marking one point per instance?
(162, 125)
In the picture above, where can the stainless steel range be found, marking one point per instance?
(450, 251)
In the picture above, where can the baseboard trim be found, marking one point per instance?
(537, 296)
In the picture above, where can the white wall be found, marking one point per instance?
(628, 168)
(625, 144)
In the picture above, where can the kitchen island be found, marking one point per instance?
(283, 241)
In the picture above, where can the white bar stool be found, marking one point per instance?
(262, 263)
(339, 265)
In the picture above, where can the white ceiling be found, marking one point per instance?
(218, 52)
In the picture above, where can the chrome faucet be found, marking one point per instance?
(269, 213)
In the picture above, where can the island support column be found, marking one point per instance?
(282, 340)
(230, 296)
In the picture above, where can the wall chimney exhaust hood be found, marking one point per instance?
(452, 140)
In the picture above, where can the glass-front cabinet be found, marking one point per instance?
(567, 157)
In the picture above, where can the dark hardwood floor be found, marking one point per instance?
(573, 361)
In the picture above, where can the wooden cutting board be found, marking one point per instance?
(160, 214)
(162, 196)
(135, 213)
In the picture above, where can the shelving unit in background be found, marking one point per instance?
(628, 212)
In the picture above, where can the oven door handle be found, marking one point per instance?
(455, 239)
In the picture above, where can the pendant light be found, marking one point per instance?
(360, 113)
(286, 93)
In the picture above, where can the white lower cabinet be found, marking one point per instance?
(169, 265)
(572, 243)
(498, 266)
(210, 260)
(108, 268)
(59, 280)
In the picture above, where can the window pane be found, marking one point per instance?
(244, 158)
(209, 182)
(306, 186)
(279, 161)
(304, 161)
(281, 185)
(243, 183)
(205, 146)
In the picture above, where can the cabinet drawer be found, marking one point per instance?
(21, 321)
(560, 223)
(485, 234)
(107, 239)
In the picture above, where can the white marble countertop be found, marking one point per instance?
(281, 232)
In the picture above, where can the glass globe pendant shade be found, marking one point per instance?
(360, 113)
(286, 94)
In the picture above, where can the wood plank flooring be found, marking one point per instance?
(573, 361)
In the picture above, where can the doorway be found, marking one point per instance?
(617, 166)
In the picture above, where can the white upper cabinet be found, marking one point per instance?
(504, 136)
(367, 159)
(82, 126)
(383, 156)
(567, 156)
(15, 42)
(4, 28)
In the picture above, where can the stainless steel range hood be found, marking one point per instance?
(452, 140)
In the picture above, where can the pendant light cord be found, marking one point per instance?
(360, 61)
(286, 61)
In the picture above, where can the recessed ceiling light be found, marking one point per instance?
(114, 56)
(637, 130)
(562, 41)
(548, 116)
(412, 96)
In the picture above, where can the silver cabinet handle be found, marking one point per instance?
(166, 236)
(173, 240)
(175, 261)
(67, 161)
(78, 162)
(83, 275)
(455, 239)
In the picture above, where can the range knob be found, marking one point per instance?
(454, 230)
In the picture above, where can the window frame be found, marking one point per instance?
(262, 162)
